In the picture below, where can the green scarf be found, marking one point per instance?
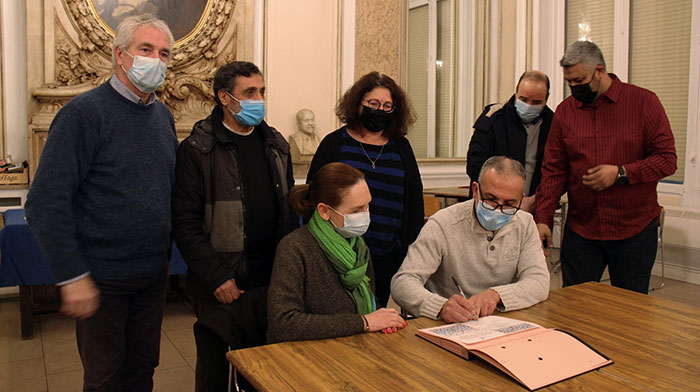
(349, 258)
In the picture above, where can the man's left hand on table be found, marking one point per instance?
(486, 301)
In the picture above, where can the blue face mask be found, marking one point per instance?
(354, 225)
(146, 73)
(527, 113)
(252, 111)
(491, 220)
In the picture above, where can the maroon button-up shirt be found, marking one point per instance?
(625, 126)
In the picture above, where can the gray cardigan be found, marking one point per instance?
(306, 300)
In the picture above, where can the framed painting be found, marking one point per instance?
(183, 17)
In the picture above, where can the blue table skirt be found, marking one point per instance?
(23, 263)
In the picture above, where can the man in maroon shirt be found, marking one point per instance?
(609, 145)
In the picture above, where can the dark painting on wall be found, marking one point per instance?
(181, 16)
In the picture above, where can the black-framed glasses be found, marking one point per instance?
(375, 104)
(492, 205)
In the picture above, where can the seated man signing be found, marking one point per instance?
(484, 247)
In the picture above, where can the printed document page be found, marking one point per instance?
(485, 328)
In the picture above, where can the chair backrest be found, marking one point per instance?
(431, 205)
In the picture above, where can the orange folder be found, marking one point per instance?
(533, 355)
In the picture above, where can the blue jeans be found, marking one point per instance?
(629, 261)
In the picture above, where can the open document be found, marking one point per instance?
(532, 355)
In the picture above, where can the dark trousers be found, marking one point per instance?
(629, 261)
(120, 344)
(385, 267)
(219, 327)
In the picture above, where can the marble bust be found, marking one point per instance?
(305, 141)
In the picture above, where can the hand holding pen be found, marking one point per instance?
(475, 310)
(459, 308)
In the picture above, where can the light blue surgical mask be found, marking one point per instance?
(252, 111)
(146, 73)
(491, 220)
(354, 225)
(527, 113)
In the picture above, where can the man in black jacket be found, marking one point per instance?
(230, 209)
(517, 130)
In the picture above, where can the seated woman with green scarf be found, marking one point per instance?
(322, 279)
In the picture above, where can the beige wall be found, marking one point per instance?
(377, 26)
(302, 55)
(506, 55)
(301, 62)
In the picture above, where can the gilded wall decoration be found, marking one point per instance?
(77, 65)
(74, 40)
(86, 62)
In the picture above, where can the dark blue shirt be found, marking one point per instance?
(385, 181)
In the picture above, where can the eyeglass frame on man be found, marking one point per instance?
(498, 205)
(379, 105)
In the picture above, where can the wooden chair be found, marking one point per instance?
(431, 205)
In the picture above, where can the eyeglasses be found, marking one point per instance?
(375, 104)
(492, 205)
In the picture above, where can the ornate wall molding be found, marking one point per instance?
(69, 52)
(78, 57)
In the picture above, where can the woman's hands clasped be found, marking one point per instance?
(386, 320)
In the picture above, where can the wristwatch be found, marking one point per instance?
(621, 176)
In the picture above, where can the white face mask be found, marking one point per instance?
(146, 73)
(527, 113)
(354, 225)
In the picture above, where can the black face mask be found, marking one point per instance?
(583, 92)
(375, 120)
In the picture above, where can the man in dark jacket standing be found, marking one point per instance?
(230, 209)
(517, 130)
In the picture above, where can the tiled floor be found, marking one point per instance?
(50, 361)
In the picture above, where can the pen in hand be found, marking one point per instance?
(461, 292)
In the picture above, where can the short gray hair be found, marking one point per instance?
(583, 52)
(124, 35)
(502, 165)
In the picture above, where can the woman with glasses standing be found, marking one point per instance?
(376, 114)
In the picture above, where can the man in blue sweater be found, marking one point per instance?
(99, 207)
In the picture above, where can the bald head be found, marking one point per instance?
(531, 95)
(501, 179)
(536, 81)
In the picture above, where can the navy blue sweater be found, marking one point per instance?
(100, 200)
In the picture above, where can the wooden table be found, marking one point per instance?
(654, 343)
